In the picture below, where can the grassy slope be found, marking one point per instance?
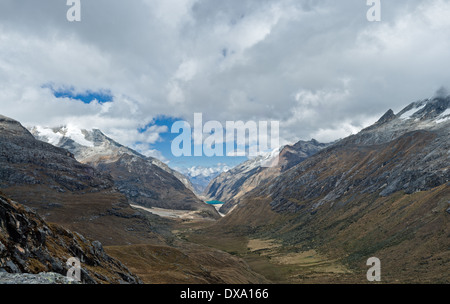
(184, 264)
(410, 234)
(104, 216)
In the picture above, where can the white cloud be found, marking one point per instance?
(317, 67)
(340, 131)
(145, 150)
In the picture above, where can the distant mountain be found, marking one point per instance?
(29, 245)
(145, 181)
(200, 182)
(230, 186)
(384, 192)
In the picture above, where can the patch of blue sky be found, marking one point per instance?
(164, 146)
(88, 96)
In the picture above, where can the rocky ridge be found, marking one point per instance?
(417, 141)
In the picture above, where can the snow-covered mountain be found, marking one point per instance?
(429, 114)
(201, 176)
(93, 146)
(146, 181)
(408, 151)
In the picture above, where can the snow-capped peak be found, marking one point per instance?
(55, 135)
(77, 135)
(436, 110)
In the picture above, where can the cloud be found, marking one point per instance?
(145, 150)
(441, 92)
(318, 67)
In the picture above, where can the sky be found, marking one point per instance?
(133, 68)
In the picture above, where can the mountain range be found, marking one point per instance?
(383, 192)
(231, 185)
(145, 181)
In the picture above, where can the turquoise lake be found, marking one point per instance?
(215, 203)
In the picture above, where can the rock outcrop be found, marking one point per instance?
(29, 245)
(40, 278)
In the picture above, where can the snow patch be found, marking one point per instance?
(54, 136)
(51, 137)
(444, 116)
(77, 136)
(407, 115)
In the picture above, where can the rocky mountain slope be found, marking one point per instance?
(30, 245)
(383, 192)
(230, 186)
(52, 182)
(145, 181)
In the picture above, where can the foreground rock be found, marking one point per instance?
(41, 278)
(30, 245)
